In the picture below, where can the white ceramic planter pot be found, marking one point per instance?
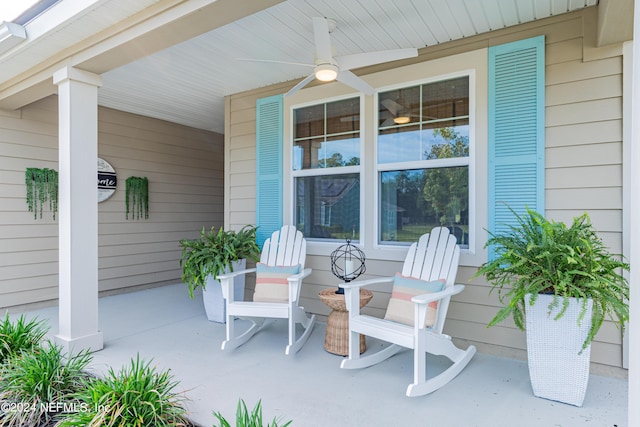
(557, 369)
(212, 294)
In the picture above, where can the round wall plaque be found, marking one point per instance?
(107, 180)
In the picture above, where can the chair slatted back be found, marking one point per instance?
(434, 256)
(285, 247)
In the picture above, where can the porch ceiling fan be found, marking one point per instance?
(399, 114)
(328, 67)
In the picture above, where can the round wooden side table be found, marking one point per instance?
(336, 339)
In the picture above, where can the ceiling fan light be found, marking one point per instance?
(326, 72)
(401, 120)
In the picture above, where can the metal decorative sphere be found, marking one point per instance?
(347, 263)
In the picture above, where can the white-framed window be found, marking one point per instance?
(374, 216)
(423, 145)
(325, 163)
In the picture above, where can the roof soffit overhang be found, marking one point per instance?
(162, 25)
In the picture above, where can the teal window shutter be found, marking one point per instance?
(516, 131)
(269, 113)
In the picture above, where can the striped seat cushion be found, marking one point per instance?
(271, 282)
(401, 309)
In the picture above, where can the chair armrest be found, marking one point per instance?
(226, 282)
(422, 304)
(295, 283)
(352, 293)
(235, 273)
(361, 283)
(436, 296)
(296, 277)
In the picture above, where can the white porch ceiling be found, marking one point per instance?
(187, 82)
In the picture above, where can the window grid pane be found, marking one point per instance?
(412, 202)
(326, 203)
(327, 135)
(328, 207)
(421, 125)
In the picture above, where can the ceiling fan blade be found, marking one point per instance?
(350, 79)
(392, 106)
(275, 62)
(357, 60)
(322, 40)
(300, 85)
(387, 122)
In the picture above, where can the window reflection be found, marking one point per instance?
(415, 201)
(328, 207)
(318, 153)
(327, 135)
(420, 124)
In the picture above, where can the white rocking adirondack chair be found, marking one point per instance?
(286, 247)
(435, 256)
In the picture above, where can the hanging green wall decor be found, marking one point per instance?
(42, 186)
(137, 197)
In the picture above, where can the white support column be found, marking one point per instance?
(78, 209)
(634, 226)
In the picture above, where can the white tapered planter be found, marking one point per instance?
(214, 304)
(558, 369)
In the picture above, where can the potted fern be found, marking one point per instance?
(559, 283)
(215, 253)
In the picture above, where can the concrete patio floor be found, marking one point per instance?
(309, 388)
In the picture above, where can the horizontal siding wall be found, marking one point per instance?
(584, 156)
(583, 161)
(583, 174)
(240, 162)
(185, 171)
(28, 247)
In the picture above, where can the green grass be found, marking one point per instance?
(136, 396)
(38, 383)
(20, 335)
(244, 418)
